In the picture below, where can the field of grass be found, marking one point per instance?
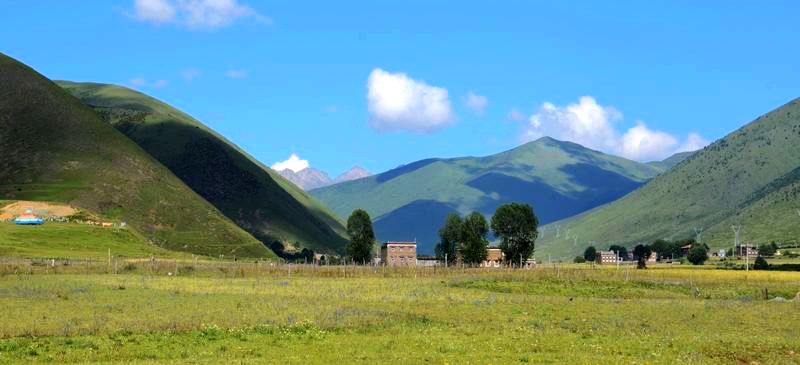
(77, 241)
(260, 313)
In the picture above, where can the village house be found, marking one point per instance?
(494, 257)
(746, 250)
(606, 257)
(399, 254)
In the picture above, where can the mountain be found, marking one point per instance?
(310, 178)
(251, 194)
(671, 161)
(54, 148)
(559, 179)
(307, 178)
(750, 177)
(354, 173)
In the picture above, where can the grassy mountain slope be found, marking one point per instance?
(749, 177)
(559, 178)
(671, 161)
(251, 194)
(54, 148)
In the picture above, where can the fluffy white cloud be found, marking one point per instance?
(693, 142)
(155, 11)
(236, 74)
(476, 103)
(593, 125)
(641, 143)
(195, 14)
(293, 163)
(397, 102)
(585, 122)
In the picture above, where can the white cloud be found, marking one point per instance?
(294, 163)
(643, 144)
(586, 123)
(190, 74)
(476, 103)
(516, 115)
(397, 102)
(693, 142)
(236, 74)
(196, 14)
(593, 125)
(154, 11)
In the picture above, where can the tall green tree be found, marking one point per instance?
(362, 236)
(590, 254)
(760, 263)
(473, 239)
(641, 253)
(516, 225)
(449, 238)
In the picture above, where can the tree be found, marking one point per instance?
(697, 255)
(641, 253)
(579, 259)
(362, 236)
(516, 225)
(449, 238)
(473, 238)
(760, 264)
(590, 254)
(621, 251)
(661, 248)
(767, 250)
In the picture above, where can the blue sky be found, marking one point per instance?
(379, 83)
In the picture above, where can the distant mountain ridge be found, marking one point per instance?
(310, 178)
(559, 179)
(751, 177)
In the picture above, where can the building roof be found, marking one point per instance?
(398, 243)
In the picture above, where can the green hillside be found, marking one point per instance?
(671, 161)
(249, 193)
(749, 177)
(559, 179)
(54, 148)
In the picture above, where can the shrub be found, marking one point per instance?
(697, 255)
(760, 264)
(579, 260)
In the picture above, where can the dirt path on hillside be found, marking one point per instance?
(39, 208)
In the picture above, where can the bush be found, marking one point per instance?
(579, 260)
(697, 255)
(760, 264)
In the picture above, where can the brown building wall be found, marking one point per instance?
(399, 254)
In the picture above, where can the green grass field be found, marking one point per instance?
(257, 313)
(77, 241)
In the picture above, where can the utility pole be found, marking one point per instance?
(445, 260)
(736, 243)
(698, 234)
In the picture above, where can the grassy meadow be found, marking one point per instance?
(214, 312)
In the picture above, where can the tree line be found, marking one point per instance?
(515, 224)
